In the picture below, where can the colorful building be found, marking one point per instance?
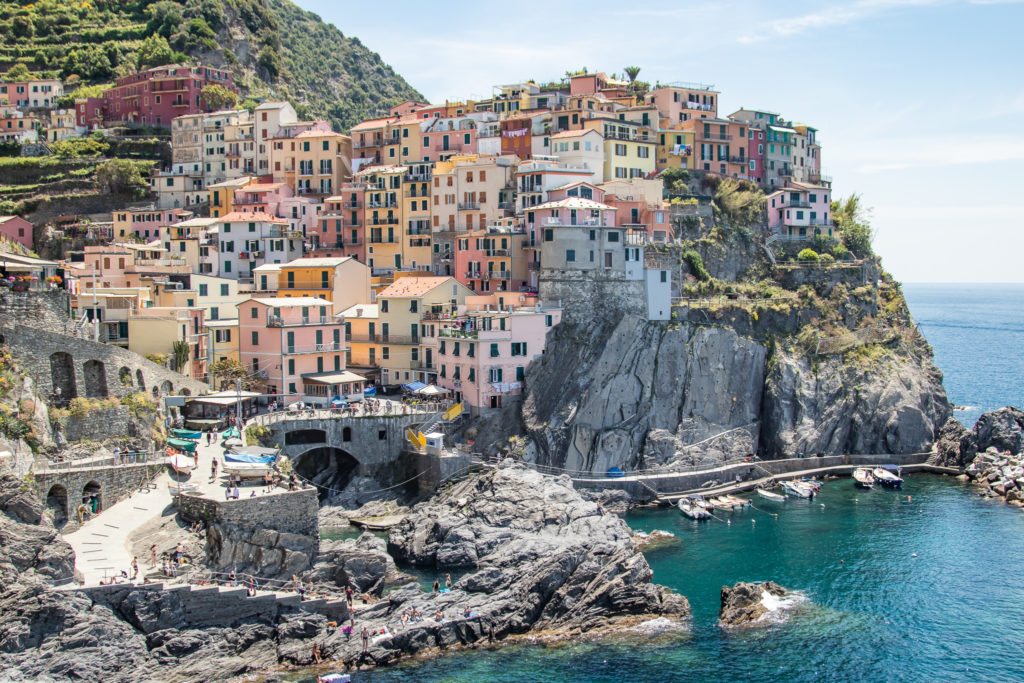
(680, 102)
(800, 211)
(343, 281)
(40, 93)
(157, 96)
(16, 229)
(248, 240)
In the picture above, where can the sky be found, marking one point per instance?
(918, 103)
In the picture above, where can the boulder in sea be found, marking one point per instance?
(744, 603)
(656, 539)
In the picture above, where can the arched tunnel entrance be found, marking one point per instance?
(328, 467)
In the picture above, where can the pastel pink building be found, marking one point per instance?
(145, 223)
(755, 153)
(483, 352)
(444, 137)
(296, 348)
(155, 96)
(492, 260)
(16, 229)
(800, 210)
(261, 197)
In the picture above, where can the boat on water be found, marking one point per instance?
(737, 501)
(693, 508)
(798, 489)
(886, 477)
(771, 495)
(721, 503)
(863, 478)
(814, 484)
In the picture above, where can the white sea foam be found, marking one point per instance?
(778, 606)
(658, 625)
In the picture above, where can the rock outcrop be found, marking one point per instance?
(743, 604)
(999, 474)
(1001, 430)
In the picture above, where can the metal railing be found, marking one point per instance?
(314, 348)
(469, 206)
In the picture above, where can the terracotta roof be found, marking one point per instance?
(372, 124)
(263, 187)
(574, 133)
(319, 134)
(251, 217)
(411, 287)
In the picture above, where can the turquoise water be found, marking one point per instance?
(876, 612)
(977, 332)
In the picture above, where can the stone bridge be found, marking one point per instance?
(63, 489)
(329, 450)
(88, 369)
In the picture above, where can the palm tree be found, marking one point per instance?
(631, 73)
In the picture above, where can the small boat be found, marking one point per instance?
(692, 509)
(182, 464)
(721, 503)
(863, 478)
(798, 489)
(814, 484)
(886, 477)
(182, 487)
(181, 444)
(771, 495)
(737, 501)
(251, 462)
(186, 434)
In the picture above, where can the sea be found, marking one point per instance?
(923, 584)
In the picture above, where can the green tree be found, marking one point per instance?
(154, 51)
(674, 179)
(18, 72)
(180, 352)
(808, 255)
(230, 370)
(121, 177)
(270, 62)
(216, 96)
(631, 73)
(164, 18)
(852, 218)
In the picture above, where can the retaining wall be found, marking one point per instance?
(288, 511)
(115, 483)
(100, 424)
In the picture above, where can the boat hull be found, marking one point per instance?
(771, 495)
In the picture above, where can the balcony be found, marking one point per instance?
(278, 321)
(438, 314)
(533, 265)
(798, 204)
(313, 348)
(416, 177)
(384, 339)
(469, 206)
(453, 333)
(498, 252)
(698, 106)
(418, 231)
(385, 204)
(499, 275)
(716, 137)
(382, 239)
(737, 160)
(304, 284)
(382, 220)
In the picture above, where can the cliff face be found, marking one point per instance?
(807, 359)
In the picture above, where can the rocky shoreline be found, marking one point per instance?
(539, 561)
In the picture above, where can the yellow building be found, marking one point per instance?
(342, 281)
(407, 313)
(314, 162)
(629, 148)
(223, 342)
(675, 149)
(362, 329)
(222, 195)
(391, 244)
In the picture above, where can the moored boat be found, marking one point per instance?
(251, 462)
(737, 501)
(771, 495)
(692, 508)
(181, 463)
(721, 503)
(886, 477)
(798, 489)
(862, 477)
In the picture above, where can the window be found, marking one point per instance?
(202, 290)
(255, 338)
(547, 321)
(494, 350)
(291, 366)
(255, 313)
(413, 306)
(643, 152)
(384, 306)
(385, 353)
(520, 373)
(620, 150)
(549, 234)
(472, 374)
(664, 276)
(613, 236)
(570, 255)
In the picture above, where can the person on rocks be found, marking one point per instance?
(152, 556)
(349, 595)
(81, 513)
(316, 652)
(366, 640)
(437, 586)
(135, 567)
(234, 578)
(438, 616)
(467, 613)
(448, 581)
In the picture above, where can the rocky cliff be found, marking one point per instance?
(822, 358)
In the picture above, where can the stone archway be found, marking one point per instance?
(95, 374)
(184, 392)
(140, 380)
(124, 375)
(57, 504)
(328, 467)
(156, 392)
(62, 377)
(166, 388)
(90, 492)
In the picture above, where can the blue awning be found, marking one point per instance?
(414, 386)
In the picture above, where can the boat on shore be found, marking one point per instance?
(863, 478)
(771, 495)
(186, 434)
(182, 463)
(886, 477)
(182, 487)
(250, 462)
(692, 507)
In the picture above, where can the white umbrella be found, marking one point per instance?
(431, 390)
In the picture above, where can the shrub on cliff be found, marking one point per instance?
(808, 255)
(827, 258)
(696, 265)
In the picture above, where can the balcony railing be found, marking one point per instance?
(797, 204)
(454, 333)
(469, 206)
(716, 137)
(382, 204)
(498, 252)
(384, 339)
(499, 274)
(698, 106)
(382, 220)
(313, 348)
(737, 160)
(278, 321)
(416, 177)
(533, 265)
(439, 314)
(304, 284)
(382, 239)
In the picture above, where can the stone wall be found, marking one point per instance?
(87, 368)
(288, 511)
(792, 277)
(100, 424)
(47, 310)
(586, 296)
(62, 490)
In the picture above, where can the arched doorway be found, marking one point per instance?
(62, 377)
(124, 375)
(327, 467)
(346, 434)
(184, 392)
(95, 374)
(156, 393)
(92, 496)
(166, 388)
(57, 504)
(139, 380)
